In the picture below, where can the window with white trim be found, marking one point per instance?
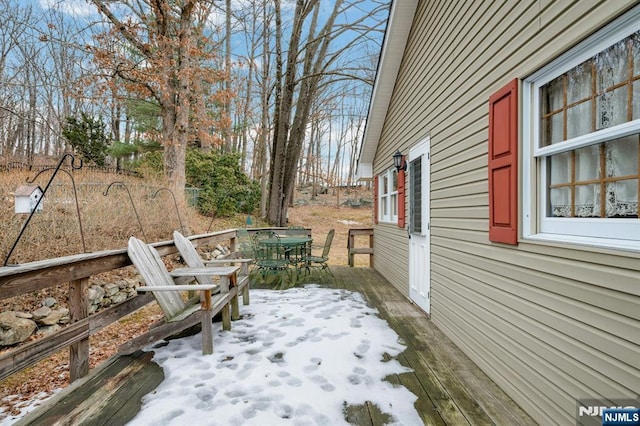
(388, 196)
(581, 157)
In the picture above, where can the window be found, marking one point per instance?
(581, 160)
(388, 196)
(415, 199)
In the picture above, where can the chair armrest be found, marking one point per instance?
(185, 287)
(222, 271)
(224, 261)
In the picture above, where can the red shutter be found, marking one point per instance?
(401, 196)
(375, 199)
(503, 165)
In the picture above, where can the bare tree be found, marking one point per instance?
(167, 39)
(312, 65)
(295, 70)
(15, 113)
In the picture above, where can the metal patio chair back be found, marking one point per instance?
(269, 258)
(320, 261)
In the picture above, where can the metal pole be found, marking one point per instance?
(132, 204)
(175, 203)
(75, 195)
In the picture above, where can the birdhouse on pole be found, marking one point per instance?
(27, 197)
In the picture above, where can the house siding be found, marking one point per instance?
(391, 252)
(549, 323)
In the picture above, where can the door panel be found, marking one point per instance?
(419, 232)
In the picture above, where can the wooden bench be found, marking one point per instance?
(181, 314)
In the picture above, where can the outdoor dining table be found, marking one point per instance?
(294, 249)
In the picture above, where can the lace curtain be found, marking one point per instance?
(600, 93)
(588, 187)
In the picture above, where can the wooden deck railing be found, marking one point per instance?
(76, 271)
(353, 250)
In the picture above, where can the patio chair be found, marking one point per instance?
(296, 255)
(259, 236)
(193, 260)
(245, 244)
(320, 261)
(270, 258)
(179, 313)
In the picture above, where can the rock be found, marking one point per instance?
(131, 283)
(110, 289)
(40, 313)
(64, 318)
(25, 315)
(92, 294)
(14, 329)
(49, 302)
(220, 250)
(119, 297)
(52, 318)
(99, 293)
(48, 330)
(127, 283)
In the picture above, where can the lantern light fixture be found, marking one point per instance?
(399, 161)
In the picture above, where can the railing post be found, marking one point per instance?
(350, 245)
(353, 250)
(233, 243)
(78, 310)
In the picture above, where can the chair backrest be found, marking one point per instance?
(297, 231)
(327, 243)
(262, 252)
(154, 273)
(191, 256)
(263, 235)
(245, 244)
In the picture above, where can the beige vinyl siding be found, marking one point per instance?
(550, 323)
(391, 254)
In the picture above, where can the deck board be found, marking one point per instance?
(453, 390)
(450, 388)
(109, 395)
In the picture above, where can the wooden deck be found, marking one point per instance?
(450, 388)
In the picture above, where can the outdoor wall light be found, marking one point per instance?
(398, 161)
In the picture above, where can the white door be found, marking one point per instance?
(419, 233)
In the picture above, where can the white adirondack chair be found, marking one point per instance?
(181, 314)
(193, 260)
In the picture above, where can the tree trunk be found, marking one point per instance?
(227, 66)
(289, 140)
